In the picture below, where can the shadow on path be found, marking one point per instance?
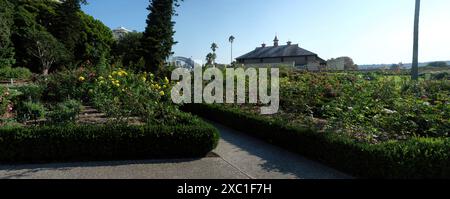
(259, 159)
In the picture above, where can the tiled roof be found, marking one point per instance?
(277, 51)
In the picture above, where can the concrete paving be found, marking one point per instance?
(206, 168)
(260, 160)
(240, 157)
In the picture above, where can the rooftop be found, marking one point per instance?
(292, 50)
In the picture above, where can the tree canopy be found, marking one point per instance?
(6, 45)
(157, 40)
(79, 37)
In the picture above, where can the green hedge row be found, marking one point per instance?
(103, 142)
(415, 158)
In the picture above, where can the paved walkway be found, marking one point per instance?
(241, 157)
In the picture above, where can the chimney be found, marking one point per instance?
(275, 41)
(263, 45)
(289, 43)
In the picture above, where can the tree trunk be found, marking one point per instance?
(415, 63)
(45, 71)
(231, 53)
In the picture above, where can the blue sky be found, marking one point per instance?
(369, 31)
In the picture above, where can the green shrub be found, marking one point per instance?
(123, 94)
(65, 85)
(414, 158)
(30, 111)
(4, 100)
(30, 93)
(104, 142)
(65, 112)
(15, 73)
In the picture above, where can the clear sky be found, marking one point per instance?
(369, 31)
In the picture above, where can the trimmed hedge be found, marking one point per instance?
(415, 158)
(103, 142)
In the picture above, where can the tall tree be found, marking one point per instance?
(231, 40)
(214, 48)
(210, 57)
(96, 39)
(157, 40)
(6, 45)
(127, 50)
(46, 48)
(415, 63)
(69, 24)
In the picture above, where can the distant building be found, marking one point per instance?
(289, 54)
(120, 32)
(336, 64)
(341, 63)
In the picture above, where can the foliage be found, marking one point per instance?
(84, 39)
(6, 46)
(7, 73)
(438, 64)
(5, 101)
(30, 111)
(158, 40)
(46, 48)
(104, 142)
(30, 16)
(128, 51)
(122, 94)
(369, 107)
(65, 112)
(69, 25)
(32, 93)
(94, 44)
(65, 85)
(413, 158)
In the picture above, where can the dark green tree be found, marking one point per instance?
(94, 44)
(46, 48)
(69, 25)
(127, 50)
(6, 45)
(438, 64)
(157, 40)
(30, 15)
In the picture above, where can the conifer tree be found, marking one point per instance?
(158, 39)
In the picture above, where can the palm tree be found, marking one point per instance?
(231, 40)
(415, 63)
(214, 47)
(209, 59)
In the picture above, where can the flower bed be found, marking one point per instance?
(413, 158)
(42, 121)
(367, 124)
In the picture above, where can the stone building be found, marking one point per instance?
(120, 32)
(277, 55)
